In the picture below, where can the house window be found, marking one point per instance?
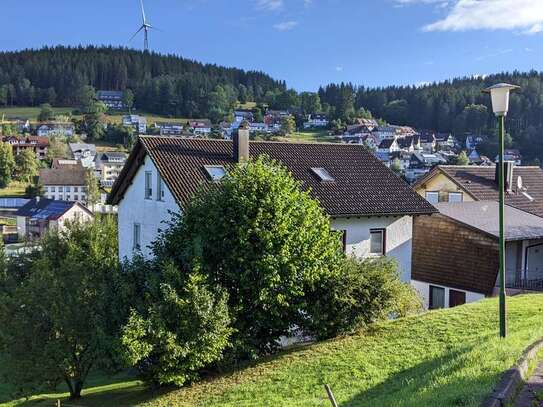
(159, 188)
(68, 189)
(437, 297)
(456, 197)
(344, 240)
(137, 237)
(148, 185)
(52, 189)
(215, 172)
(323, 174)
(76, 189)
(59, 189)
(456, 298)
(432, 197)
(76, 198)
(377, 242)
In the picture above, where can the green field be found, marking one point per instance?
(442, 358)
(310, 136)
(31, 113)
(14, 190)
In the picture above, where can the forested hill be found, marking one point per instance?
(456, 106)
(165, 84)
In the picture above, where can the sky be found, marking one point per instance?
(307, 43)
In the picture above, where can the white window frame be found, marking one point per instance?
(159, 188)
(383, 234)
(456, 194)
(148, 184)
(136, 237)
(432, 193)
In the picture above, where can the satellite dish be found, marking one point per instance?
(519, 183)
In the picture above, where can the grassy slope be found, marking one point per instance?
(14, 189)
(31, 113)
(309, 136)
(442, 358)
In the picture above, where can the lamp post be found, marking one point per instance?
(500, 105)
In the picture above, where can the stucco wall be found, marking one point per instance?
(440, 183)
(399, 232)
(424, 291)
(149, 213)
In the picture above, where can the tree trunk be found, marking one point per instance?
(75, 386)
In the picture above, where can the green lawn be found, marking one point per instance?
(15, 189)
(30, 113)
(310, 136)
(442, 358)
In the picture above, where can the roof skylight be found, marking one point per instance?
(215, 172)
(323, 174)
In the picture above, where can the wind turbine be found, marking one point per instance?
(145, 27)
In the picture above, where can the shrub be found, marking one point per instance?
(262, 239)
(180, 326)
(364, 292)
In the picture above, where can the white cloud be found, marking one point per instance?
(270, 5)
(489, 14)
(286, 25)
(339, 68)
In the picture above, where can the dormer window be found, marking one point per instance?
(215, 172)
(323, 174)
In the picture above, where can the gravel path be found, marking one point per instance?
(532, 393)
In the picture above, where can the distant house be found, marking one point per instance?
(138, 123)
(370, 205)
(316, 121)
(407, 143)
(108, 167)
(170, 129)
(445, 140)
(41, 215)
(421, 163)
(473, 141)
(113, 99)
(259, 128)
(201, 127)
(83, 152)
(511, 154)
(455, 252)
(524, 185)
(370, 124)
(56, 129)
(388, 146)
(385, 132)
(428, 141)
(64, 183)
(37, 144)
(243, 115)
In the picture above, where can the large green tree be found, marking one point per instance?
(7, 164)
(26, 165)
(58, 308)
(262, 239)
(46, 113)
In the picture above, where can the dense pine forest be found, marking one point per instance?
(163, 84)
(171, 85)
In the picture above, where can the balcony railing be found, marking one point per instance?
(526, 280)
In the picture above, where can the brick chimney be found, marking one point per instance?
(241, 143)
(508, 167)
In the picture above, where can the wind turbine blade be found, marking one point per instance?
(152, 27)
(143, 12)
(137, 32)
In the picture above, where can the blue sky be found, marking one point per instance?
(305, 42)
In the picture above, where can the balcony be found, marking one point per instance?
(527, 280)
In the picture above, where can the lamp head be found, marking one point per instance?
(500, 97)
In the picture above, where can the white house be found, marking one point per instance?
(40, 215)
(364, 199)
(86, 153)
(56, 129)
(138, 123)
(113, 99)
(64, 182)
(316, 120)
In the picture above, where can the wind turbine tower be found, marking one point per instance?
(145, 27)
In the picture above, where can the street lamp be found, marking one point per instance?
(500, 105)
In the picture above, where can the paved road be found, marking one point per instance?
(532, 394)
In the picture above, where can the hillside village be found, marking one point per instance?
(196, 250)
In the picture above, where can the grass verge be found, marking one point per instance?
(442, 358)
